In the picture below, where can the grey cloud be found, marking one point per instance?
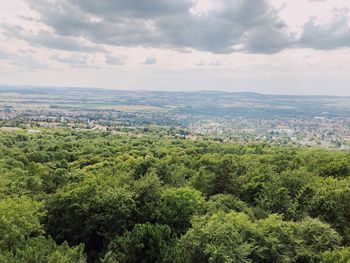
(115, 60)
(204, 62)
(23, 59)
(335, 34)
(4, 55)
(256, 41)
(145, 8)
(166, 23)
(75, 61)
(28, 62)
(251, 26)
(150, 61)
(49, 40)
(62, 43)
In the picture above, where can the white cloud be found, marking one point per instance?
(331, 35)
(115, 60)
(75, 60)
(266, 46)
(150, 60)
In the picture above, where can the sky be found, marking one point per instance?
(266, 46)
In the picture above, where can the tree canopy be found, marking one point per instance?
(84, 196)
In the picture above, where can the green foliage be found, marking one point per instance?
(90, 214)
(217, 176)
(326, 163)
(19, 219)
(313, 237)
(217, 238)
(148, 190)
(234, 237)
(226, 203)
(331, 203)
(145, 243)
(42, 250)
(339, 256)
(273, 240)
(150, 198)
(178, 205)
(275, 198)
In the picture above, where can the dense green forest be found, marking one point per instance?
(69, 196)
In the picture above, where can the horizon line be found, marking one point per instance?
(25, 86)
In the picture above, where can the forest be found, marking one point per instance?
(84, 196)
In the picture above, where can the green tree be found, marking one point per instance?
(275, 198)
(178, 205)
(338, 255)
(217, 238)
(89, 213)
(148, 190)
(19, 219)
(145, 243)
(331, 203)
(226, 203)
(220, 177)
(42, 250)
(314, 237)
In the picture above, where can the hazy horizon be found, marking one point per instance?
(163, 90)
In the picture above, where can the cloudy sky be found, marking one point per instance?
(268, 46)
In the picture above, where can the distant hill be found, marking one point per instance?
(210, 103)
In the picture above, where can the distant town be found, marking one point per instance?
(239, 117)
